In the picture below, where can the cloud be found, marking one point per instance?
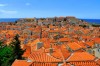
(1, 5)
(8, 11)
(27, 4)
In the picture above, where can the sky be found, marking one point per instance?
(49, 8)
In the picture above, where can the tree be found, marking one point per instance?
(1, 44)
(0, 50)
(5, 55)
(9, 53)
(17, 49)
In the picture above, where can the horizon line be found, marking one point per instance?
(43, 17)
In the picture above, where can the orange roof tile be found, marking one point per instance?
(61, 53)
(21, 63)
(98, 61)
(85, 63)
(27, 52)
(97, 40)
(65, 53)
(90, 43)
(57, 54)
(46, 44)
(43, 64)
(42, 57)
(64, 39)
(35, 42)
(74, 46)
(80, 56)
(82, 44)
(65, 64)
(52, 41)
(53, 31)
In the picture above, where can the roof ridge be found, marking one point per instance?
(52, 56)
(62, 55)
(70, 56)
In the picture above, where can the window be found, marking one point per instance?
(99, 50)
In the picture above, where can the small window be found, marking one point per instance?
(99, 50)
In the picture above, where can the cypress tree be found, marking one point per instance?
(17, 49)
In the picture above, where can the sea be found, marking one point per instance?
(94, 21)
(8, 19)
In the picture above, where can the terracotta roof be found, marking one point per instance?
(59, 52)
(65, 64)
(74, 46)
(46, 44)
(34, 45)
(80, 56)
(53, 41)
(43, 64)
(65, 53)
(35, 42)
(85, 63)
(27, 52)
(82, 44)
(63, 46)
(21, 63)
(97, 40)
(59, 55)
(64, 39)
(90, 43)
(98, 61)
(53, 31)
(42, 57)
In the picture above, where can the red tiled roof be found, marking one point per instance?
(65, 64)
(85, 63)
(21, 63)
(74, 46)
(53, 31)
(97, 40)
(27, 52)
(65, 53)
(90, 43)
(33, 44)
(35, 41)
(42, 57)
(80, 56)
(61, 54)
(43, 64)
(46, 42)
(57, 54)
(98, 61)
(82, 44)
(64, 39)
(53, 41)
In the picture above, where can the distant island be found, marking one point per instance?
(93, 21)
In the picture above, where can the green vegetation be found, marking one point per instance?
(1, 44)
(17, 49)
(9, 53)
(93, 25)
(6, 56)
(96, 25)
(84, 26)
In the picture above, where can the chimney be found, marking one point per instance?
(51, 49)
(41, 33)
